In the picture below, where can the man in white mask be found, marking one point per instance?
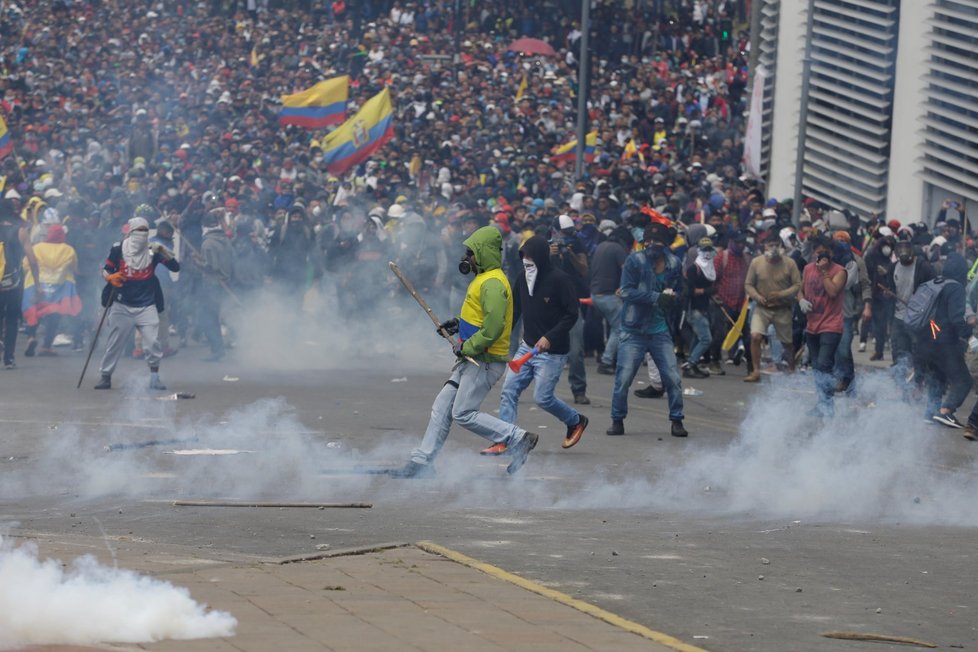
(136, 299)
(546, 299)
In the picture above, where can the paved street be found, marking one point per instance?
(759, 536)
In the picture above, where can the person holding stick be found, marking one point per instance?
(547, 301)
(484, 327)
(135, 299)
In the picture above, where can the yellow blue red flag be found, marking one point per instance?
(319, 106)
(568, 151)
(6, 145)
(360, 136)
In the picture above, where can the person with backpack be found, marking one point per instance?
(936, 315)
(909, 273)
(15, 246)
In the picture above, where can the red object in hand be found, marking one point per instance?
(517, 363)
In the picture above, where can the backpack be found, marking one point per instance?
(923, 304)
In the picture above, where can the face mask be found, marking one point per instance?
(771, 254)
(655, 249)
(531, 274)
(638, 233)
(708, 255)
(886, 250)
(139, 238)
(906, 259)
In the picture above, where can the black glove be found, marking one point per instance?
(666, 300)
(457, 347)
(450, 327)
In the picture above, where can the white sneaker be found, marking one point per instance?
(862, 347)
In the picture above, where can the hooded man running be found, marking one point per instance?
(484, 328)
(547, 300)
(130, 269)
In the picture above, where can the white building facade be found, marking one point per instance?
(891, 121)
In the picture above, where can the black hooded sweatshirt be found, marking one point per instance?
(553, 308)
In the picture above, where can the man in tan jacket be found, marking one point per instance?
(772, 282)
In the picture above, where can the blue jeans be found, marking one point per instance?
(576, 374)
(610, 306)
(544, 370)
(845, 366)
(822, 348)
(700, 323)
(631, 350)
(459, 401)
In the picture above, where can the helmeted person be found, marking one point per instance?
(484, 329)
(130, 268)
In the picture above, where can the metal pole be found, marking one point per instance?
(803, 116)
(458, 38)
(582, 89)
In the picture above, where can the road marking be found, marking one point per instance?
(562, 598)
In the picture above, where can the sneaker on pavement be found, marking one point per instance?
(521, 450)
(156, 383)
(948, 420)
(691, 370)
(876, 356)
(677, 429)
(31, 347)
(606, 369)
(716, 369)
(753, 377)
(617, 428)
(105, 382)
(574, 433)
(862, 347)
(970, 431)
(581, 399)
(495, 449)
(649, 392)
(413, 470)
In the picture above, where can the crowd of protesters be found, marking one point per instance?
(166, 113)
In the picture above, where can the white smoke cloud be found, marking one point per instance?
(44, 603)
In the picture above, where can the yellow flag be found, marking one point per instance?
(736, 329)
(521, 90)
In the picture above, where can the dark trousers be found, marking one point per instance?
(822, 348)
(209, 314)
(945, 373)
(10, 301)
(882, 316)
(50, 324)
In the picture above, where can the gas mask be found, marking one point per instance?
(466, 265)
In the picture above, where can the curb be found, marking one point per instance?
(557, 596)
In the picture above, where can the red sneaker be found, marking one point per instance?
(495, 449)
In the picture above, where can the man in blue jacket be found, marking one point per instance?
(651, 281)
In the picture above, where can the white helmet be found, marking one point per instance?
(396, 211)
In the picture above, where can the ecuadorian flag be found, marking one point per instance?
(6, 145)
(57, 263)
(320, 106)
(568, 151)
(360, 136)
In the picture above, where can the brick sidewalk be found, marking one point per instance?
(396, 599)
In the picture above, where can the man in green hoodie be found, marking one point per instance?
(484, 328)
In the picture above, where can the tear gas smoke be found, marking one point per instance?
(43, 603)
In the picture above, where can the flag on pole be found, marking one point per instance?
(360, 136)
(567, 151)
(6, 145)
(254, 59)
(752, 140)
(735, 331)
(320, 106)
(631, 150)
(521, 90)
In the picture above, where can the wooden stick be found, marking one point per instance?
(231, 503)
(859, 636)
